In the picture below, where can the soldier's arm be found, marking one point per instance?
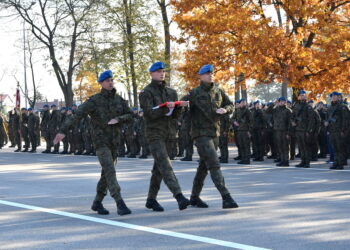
(146, 103)
(345, 122)
(226, 102)
(83, 110)
(177, 110)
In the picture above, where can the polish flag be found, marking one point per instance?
(177, 103)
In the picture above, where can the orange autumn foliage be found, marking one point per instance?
(89, 85)
(309, 49)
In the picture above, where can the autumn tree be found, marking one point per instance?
(304, 44)
(59, 25)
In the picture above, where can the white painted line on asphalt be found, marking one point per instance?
(42, 160)
(135, 227)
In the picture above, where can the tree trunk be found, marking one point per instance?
(166, 24)
(130, 40)
(237, 90)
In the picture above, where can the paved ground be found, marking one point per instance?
(280, 208)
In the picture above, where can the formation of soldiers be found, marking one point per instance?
(166, 128)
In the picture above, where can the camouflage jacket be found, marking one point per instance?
(243, 116)
(158, 125)
(204, 101)
(102, 107)
(31, 122)
(259, 121)
(44, 125)
(282, 118)
(303, 116)
(338, 118)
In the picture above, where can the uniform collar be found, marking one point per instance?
(106, 92)
(158, 84)
(206, 86)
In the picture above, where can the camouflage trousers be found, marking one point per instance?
(107, 157)
(223, 146)
(162, 170)
(339, 147)
(304, 147)
(282, 144)
(209, 160)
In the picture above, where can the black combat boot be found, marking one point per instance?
(237, 158)
(337, 167)
(25, 150)
(122, 209)
(18, 150)
(32, 151)
(300, 165)
(186, 158)
(228, 202)
(154, 205)
(46, 151)
(195, 201)
(182, 201)
(97, 206)
(283, 164)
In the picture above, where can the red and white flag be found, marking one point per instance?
(177, 103)
(18, 98)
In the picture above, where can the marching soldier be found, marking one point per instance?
(207, 104)
(10, 131)
(313, 141)
(63, 117)
(37, 128)
(107, 111)
(158, 121)
(140, 134)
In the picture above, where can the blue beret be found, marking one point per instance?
(301, 92)
(63, 108)
(335, 93)
(45, 106)
(256, 102)
(289, 102)
(105, 75)
(282, 99)
(30, 109)
(206, 68)
(311, 101)
(157, 65)
(53, 105)
(269, 103)
(243, 100)
(69, 109)
(74, 105)
(135, 108)
(23, 109)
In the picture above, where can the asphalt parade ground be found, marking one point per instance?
(45, 203)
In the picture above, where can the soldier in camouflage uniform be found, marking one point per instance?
(338, 123)
(186, 131)
(140, 135)
(37, 128)
(130, 135)
(16, 124)
(259, 124)
(268, 134)
(322, 136)
(281, 124)
(32, 130)
(44, 127)
(313, 139)
(243, 121)
(108, 111)
(24, 129)
(2, 132)
(10, 131)
(54, 125)
(223, 138)
(87, 135)
(158, 123)
(304, 126)
(63, 117)
(207, 104)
